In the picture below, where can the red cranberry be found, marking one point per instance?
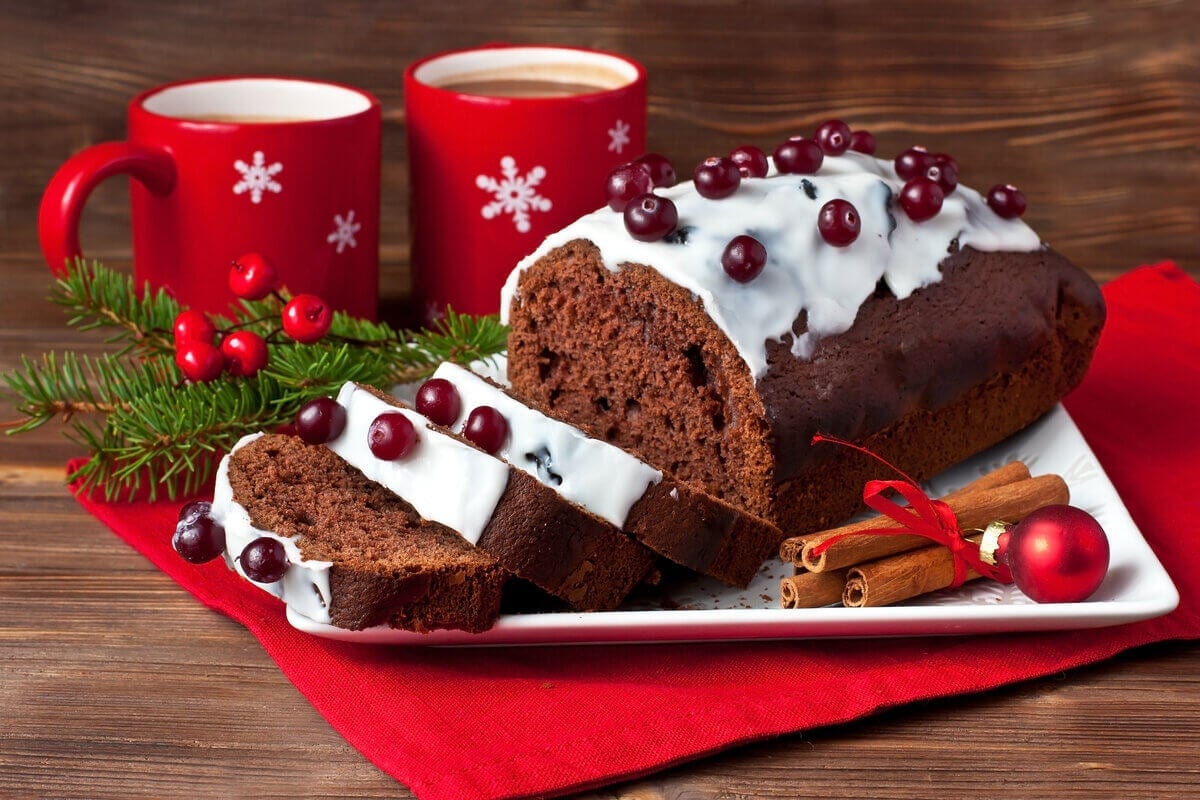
(863, 142)
(438, 399)
(252, 277)
(744, 258)
(264, 560)
(487, 428)
(838, 222)
(921, 199)
(799, 156)
(625, 183)
(306, 318)
(245, 353)
(320, 420)
(913, 162)
(195, 510)
(833, 136)
(649, 218)
(716, 177)
(1006, 200)
(662, 174)
(751, 162)
(199, 362)
(943, 170)
(391, 436)
(199, 541)
(193, 326)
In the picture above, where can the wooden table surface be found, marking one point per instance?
(116, 683)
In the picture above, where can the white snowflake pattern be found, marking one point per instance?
(514, 194)
(257, 177)
(344, 230)
(618, 137)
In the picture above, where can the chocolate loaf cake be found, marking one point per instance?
(358, 555)
(924, 341)
(672, 518)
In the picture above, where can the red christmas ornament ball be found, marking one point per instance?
(1057, 554)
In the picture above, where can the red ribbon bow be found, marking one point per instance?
(923, 516)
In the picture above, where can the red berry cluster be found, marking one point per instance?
(306, 318)
(629, 190)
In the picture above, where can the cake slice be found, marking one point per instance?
(358, 555)
(673, 519)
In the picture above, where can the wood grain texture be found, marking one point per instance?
(114, 683)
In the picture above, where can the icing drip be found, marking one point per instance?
(802, 273)
(304, 588)
(589, 472)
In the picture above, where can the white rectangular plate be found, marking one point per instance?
(1136, 587)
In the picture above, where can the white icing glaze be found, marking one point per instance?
(589, 472)
(305, 585)
(445, 480)
(803, 272)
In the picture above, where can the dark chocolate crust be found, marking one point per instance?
(389, 565)
(926, 381)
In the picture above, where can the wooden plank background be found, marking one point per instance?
(114, 683)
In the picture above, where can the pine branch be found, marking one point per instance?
(98, 297)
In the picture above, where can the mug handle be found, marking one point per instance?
(67, 192)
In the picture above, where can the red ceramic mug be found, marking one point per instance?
(507, 144)
(284, 167)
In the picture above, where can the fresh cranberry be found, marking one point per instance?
(487, 428)
(195, 510)
(838, 222)
(199, 541)
(252, 277)
(833, 136)
(438, 399)
(320, 420)
(799, 156)
(716, 177)
(944, 174)
(264, 560)
(744, 258)
(391, 436)
(913, 162)
(625, 183)
(750, 161)
(662, 174)
(199, 362)
(193, 326)
(863, 142)
(1006, 200)
(245, 353)
(921, 199)
(649, 218)
(306, 318)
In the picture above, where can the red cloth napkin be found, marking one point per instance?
(507, 722)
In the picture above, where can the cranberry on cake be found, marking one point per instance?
(894, 307)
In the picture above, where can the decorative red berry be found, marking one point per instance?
(913, 162)
(391, 436)
(625, 183)
(838, 222)
(943, 171)
(193, 326)
(921, 199)
(198, 540)
(306, 318)
(833, 136)
(750, 161)
(320, 420)
(1006, 200)
(264, 560)
(199, 362)
(438, 399)
(716, 177)
(649, 218)
(245, 353)
(252, 277)
(799, 156)
(662, 174)
(487, 428)
(744, 258)
(863, 142)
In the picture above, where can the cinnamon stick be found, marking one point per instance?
(974, 509)
(812, 589)
(893, 580)
(792, 549)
